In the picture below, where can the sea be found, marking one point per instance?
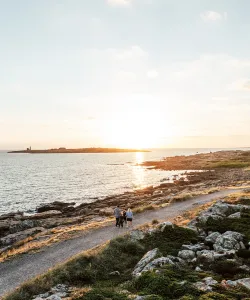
(29, 180)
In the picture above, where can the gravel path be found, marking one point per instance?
(27, 266)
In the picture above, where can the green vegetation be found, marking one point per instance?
(96, 271)
(240, 225)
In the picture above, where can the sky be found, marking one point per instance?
(124, 73)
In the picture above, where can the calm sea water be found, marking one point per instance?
(28, 180)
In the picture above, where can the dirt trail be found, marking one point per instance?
(18, 270)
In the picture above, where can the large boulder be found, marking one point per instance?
(229, 240)
(148, 257)
(16, 237)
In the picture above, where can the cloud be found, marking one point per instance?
(128, 53)
(246, 85)
(213, 16)
(119, 2)
(152, 74)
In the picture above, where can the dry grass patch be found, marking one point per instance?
(55, 235)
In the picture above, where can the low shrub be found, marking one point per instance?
(243, 253)
(155, 221)
(226, 268)
(102, 294)
(214, 296)
(170, 240)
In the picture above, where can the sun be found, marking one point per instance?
(140, 131)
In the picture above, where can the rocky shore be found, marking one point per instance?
(207, 259)
(18, 229)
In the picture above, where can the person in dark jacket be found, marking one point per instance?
(121, 220)
(117, 213)
(125, 216)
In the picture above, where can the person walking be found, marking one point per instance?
(125, 216)
(117, 213)
(129, 215)
(121, 220)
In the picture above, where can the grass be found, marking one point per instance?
(94, 267)
(55, 235)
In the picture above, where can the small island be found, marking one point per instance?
(78, 150)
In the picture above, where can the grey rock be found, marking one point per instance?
(229, 240)
(147, 258)
(236, 215)
(202, 286)
(115, 273)
(60, 288)
(211, 238)
(210, 281)
(16, 237)
(137, 235)
(54, 297)
(245, 282)
(195, 248)
(187, 255)
(23, 225)
(162, 226)
(205, 255)
(42, 296)
(156, 263)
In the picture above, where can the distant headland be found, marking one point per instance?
(78, 150)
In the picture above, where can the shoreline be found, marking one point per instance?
(20, 231)
(78, 150)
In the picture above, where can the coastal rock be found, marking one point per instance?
(14, 215)
(106, 212)
(15, 237)
(187, 255)
(4, 227)
(229, 240)
(147, 258)
(23, 225)
(46, 214)
(56, 205)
